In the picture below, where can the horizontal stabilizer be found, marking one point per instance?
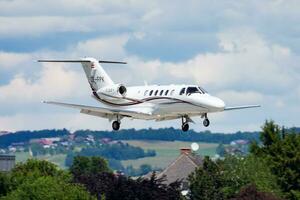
(241, 107)
(82, 61)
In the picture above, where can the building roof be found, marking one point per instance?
(182, 167)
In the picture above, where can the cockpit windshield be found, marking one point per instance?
(192, 90)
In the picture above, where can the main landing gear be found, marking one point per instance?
(185, 124)
(206, 121)
(116, 124)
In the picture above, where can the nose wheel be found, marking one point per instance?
(116, 125)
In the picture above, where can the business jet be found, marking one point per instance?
(148, 102)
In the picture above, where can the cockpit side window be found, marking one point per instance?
(182, 91)
(192, 90)
(202, 90)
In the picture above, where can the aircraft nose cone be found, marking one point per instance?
(218, 103)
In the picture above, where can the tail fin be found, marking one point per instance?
(95, 74)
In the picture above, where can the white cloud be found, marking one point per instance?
(10, 60)
(51, 82)
(232, 97)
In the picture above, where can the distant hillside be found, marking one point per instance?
(165, 134)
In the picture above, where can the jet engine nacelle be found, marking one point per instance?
(112, 91)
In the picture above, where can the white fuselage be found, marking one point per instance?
(166, 101)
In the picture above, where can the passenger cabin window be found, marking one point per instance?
(150, 92)
(172, 92)
(166, 93)
(146, 93)
(192, 90)
(156, 92)
(182, 91)
(161, 92)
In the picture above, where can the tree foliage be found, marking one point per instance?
(48, 188)
(281, 150)
(252, 193)
(114, 187)
(206, 182)
(84, 166)
(39, 179)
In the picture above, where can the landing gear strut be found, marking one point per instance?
(116, 125)
(185, 125)
(206, 121)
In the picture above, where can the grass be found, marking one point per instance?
(58, 159)
(166, 152)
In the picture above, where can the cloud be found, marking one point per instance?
(10, 60)
(240, 57)
(51, 82)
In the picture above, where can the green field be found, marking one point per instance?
(58, 159)
(166, 152)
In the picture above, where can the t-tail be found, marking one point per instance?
(95, 74)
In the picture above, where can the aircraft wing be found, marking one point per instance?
(106, 112)
(241, 107)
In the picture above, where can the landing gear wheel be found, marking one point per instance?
(185, 127)
(206, 122)
(116, 125)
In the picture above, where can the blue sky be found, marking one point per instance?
(246, 52)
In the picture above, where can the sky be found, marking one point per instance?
(245, 52)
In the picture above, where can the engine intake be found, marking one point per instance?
(122, 90)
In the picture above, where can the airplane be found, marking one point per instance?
(148, 102)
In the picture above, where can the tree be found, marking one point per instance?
(124, 188)
(85, 166)
(33, 169)
(4, 184)
(206, 182)
(48, 188)
(281, 150)
(250, 193)
(238, 172)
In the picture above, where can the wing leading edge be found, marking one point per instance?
(241, 107)
(104, 112)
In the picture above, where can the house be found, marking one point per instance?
(4, 132)
(7, 162)
(182, 167)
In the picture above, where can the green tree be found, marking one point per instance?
(242, 171)
(206, 182)
(48, 188)
(33, 169)
(4, 183)
(281, 150)
(252, 193)
(88, 165)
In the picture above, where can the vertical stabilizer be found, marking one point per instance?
(95, 74)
